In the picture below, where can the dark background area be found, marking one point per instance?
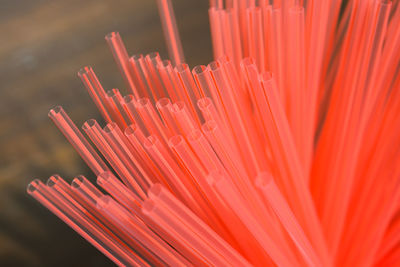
(43, 45)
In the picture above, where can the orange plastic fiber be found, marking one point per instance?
(283, 151)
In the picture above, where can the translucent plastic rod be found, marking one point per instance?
(266, 12)
(123, 148)
(146, 239)
(164, 107)
(96, 91)
(295, 68)
(180, 236)
(257, 28)
(287, 163)
(204, 80)
(174, 177)
(204, 151)
(191, 162)
(114, 98)
(169, 80)
(278, 202)
(121, 57)
(95, 133)
(83, 204)
(88, 196)
(233, 22)
(147, 74)
(77, 140)
(120, 192)
(225, 152)
(188, 82)
(136, 138)
(151, 119)
(232, 198)
(240, 96)
(209, 112)
(183, 118)
(84, 187)
(190, 90)
(226, 33)
(234, 168)
(83, 227)
(198, 226)
(341, 163)
(171, 33)
(277, 57)
(138, 74)
(243, 241)
(152, 61)
(129, 105)
(306, 210)
(233, 113)
(216, 32)
(316, 30)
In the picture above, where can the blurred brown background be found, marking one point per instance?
(43, 45)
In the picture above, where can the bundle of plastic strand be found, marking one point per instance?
(362, 47)
(231, 165)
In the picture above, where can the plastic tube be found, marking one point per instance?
(120, 192)
(197, 171)
(114, 98)
(124, 150)
(295, 68)
(168, 78)
(306, 211)
(96, 91)
(235, 201)
(216, 32)
(129, 106)
(278, 202)
(175, 177)
(121, 57)
(85, 188)
(88, 196)
(204, 151)
(152, 60)
(75, 137)
(234, 116)
(83, 227)
(159, 252)
(233, 22)
(180, 236)
(158, 193)
(170, 29)
(183, 118)
(95, 133)
(151, 119)
(164, 107)
(138, 76)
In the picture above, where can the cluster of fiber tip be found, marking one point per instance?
(284, 151)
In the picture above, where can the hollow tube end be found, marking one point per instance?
(33, 186)
(89, 124)
(55, 111)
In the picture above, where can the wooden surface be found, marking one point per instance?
(43, 45)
